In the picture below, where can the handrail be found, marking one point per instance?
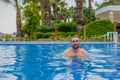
(111, 36)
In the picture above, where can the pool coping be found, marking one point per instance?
(44, 42)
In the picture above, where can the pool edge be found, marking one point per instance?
(40, 42)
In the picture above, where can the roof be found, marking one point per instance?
(111, 12)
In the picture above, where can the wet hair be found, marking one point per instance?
(75, 36)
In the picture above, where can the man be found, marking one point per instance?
(75, 51)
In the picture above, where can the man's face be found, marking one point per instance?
(75, 42)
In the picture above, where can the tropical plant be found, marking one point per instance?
(63, 11)
(86, 16)
(31, 17)
(46, 12)
(90, 10)
(72, 13)
(56, 9)
(79, 14)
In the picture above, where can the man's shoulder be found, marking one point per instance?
(66, 51)
(84, 51)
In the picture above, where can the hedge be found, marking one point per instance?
(98, 27)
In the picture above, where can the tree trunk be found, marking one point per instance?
(79, 14)
(46, 11)
(18, 20)
(90, 11)
(56, 14)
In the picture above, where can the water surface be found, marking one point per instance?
(44, 62)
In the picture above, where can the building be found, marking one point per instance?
(111, 12)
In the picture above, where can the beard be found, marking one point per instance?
(75, 46)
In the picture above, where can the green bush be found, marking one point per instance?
(62, 27)
(66, 34)
(67, 27)
(44, 35)
(98, 27)
(45, 28)
(48, 34)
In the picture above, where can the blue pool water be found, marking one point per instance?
(44, 62)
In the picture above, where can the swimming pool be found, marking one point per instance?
(44, 62)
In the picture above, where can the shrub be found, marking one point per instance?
(44, 35)
(66, 34)
(62, 27)
(67, 27)
(45, 28)
(98, 27)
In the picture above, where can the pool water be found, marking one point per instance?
(44, 62)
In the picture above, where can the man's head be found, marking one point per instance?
(75, 42)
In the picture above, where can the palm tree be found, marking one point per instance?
(56, 9)
(18, 15)
(63, 11)
(46, 12)
(18, 19)
(79, 14)
(90, 10)
(72, 13)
